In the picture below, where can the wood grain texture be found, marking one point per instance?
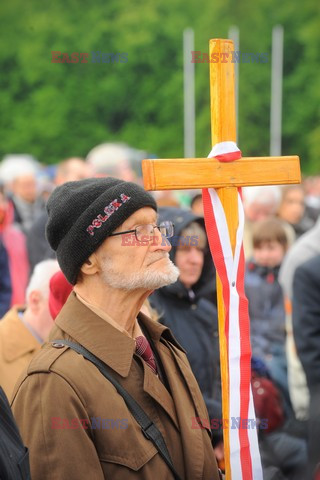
(189, 173)
(223, 129)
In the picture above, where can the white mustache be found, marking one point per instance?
(158, 256)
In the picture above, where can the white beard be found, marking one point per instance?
(148, 279)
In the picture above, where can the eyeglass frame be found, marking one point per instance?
(145, 224)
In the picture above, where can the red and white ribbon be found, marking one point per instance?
(245, 462)
(225, 152)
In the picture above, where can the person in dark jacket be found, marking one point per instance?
(185, 308)
(306, 329)
(5, 281)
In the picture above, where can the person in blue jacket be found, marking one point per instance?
(5, 281)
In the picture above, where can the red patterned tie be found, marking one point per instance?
(144, 350)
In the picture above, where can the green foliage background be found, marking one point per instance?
(56, 110)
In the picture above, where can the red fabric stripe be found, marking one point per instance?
(244, 326)
(228, 157)
(245, 368)
(244, 322)
(216, 253)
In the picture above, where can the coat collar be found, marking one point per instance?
(102, 339)
(17, 340)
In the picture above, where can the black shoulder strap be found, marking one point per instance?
(149, 429)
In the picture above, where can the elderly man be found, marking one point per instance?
(76, 424)
(25, 327)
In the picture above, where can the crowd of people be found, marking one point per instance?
(69, 276)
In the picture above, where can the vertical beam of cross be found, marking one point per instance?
(223, 128)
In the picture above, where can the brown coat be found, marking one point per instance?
(17, 347)
(60, 383)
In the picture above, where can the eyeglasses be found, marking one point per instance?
(144, 231)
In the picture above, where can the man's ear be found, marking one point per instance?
(90, 266)
(34, 300)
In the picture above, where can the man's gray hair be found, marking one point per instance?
(41, 276)
(17, 165)
(262, 195)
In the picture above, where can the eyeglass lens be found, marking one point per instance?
(165, 228)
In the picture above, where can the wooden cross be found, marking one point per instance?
(195, 173)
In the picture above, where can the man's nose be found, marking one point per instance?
(160, 242)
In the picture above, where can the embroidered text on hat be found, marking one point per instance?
(108, 210)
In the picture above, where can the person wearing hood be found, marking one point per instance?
(187, 306)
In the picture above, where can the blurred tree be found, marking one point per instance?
(55, 110)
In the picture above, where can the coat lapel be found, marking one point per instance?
(153, 386)
(180, 377)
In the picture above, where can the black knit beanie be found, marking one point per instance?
(83, 214)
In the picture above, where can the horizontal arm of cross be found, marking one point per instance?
(189, 173)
